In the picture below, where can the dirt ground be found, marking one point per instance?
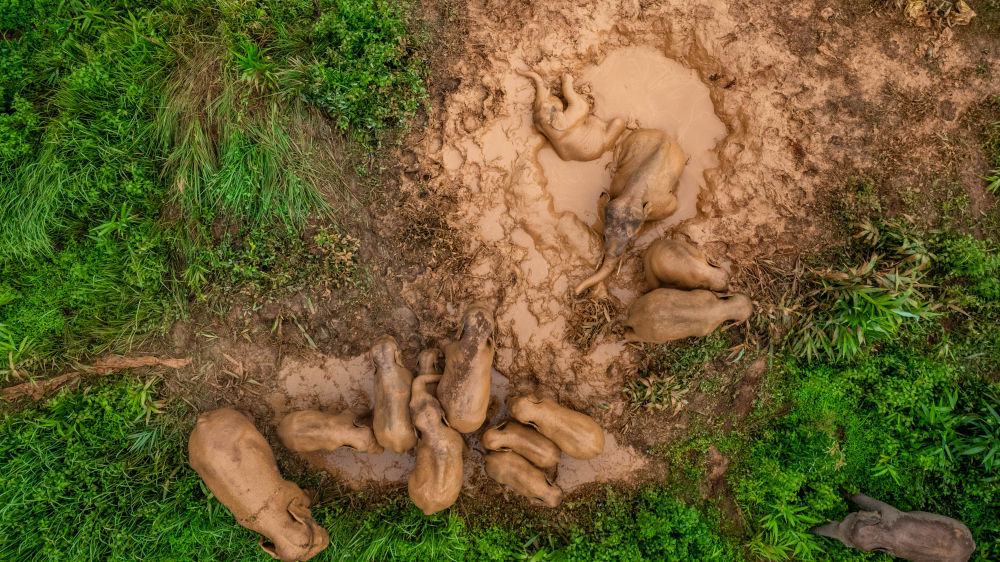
(776, 105)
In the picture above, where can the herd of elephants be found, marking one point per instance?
(688, 297)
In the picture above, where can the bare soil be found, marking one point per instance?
(776, 104)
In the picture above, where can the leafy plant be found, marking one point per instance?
(845, 308)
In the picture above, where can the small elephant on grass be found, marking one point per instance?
(912, 535)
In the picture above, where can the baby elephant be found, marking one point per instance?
(669, 314)
(436, 480)
(238, 466)
(575, 433)
(391, 419)
(574, 132)
(513, 470)
(677, 264)
(523, 440)
(911, 535)
(309, 431)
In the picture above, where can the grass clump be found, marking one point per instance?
(149, 151)
(667, 372)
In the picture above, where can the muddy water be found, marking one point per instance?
(617, 462)
(651, 91)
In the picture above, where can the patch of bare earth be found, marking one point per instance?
(776, 104)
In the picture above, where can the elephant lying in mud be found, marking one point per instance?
(679, 265)
(514, 471)
(574, 132)
(523, 440)
(238, 466)
(310, 431)
(670, 314)
(391, 419)
(648, 166)
(911, 535)
(575, 433)
(464, 390)
(437, 479)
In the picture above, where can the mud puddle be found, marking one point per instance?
(650, 91)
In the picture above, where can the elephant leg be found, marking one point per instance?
(576, 106)
(615, 128)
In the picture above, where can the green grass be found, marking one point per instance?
(132, 135)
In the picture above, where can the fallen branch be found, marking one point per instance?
(110, 364)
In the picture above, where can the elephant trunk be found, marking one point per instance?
(831, 530)
(602, 273)
(621, 223)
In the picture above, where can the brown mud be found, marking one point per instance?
(775, 105)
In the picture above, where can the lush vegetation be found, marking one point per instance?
(99, 475)
(149, 152)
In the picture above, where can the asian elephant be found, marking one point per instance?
(666, 315)
(464, 390)
(391, 419)
(575, 433)
(512, 470)
(912, 535)
(679, 265)
(648, 166)
(238, 466)
(310, 431)
(436, 480)
(574, 132)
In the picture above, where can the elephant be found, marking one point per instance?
(436, 480)
(391, 420)
(575, 433)
(679, 265)
(648, 166)
(574, 132)
(310, 431)
(512, 470)
(239, 468)
(464, 390)
(670, 314)
(912, 535)
(523, 440)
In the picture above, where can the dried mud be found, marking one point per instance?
(773, 104)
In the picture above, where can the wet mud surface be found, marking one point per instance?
(771, 114)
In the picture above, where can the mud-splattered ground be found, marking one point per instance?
(775, 104)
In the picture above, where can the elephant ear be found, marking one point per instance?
(269, 548)
(299, 512)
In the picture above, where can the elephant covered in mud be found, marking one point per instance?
(436, 480)
(310, 431)
(464, 390)
(679, 265)
(670, 314)
(514, 471)
(648, 164)
(391, 419)
(912, 535)
(575, 433)
(574, 132)
(238, 466)
(523, 440)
